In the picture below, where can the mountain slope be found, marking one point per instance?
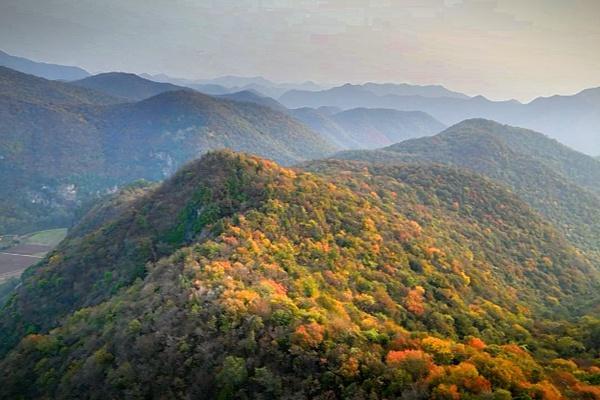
(177, 126)
(248, 96)
(43, 70)
(43, 136)
(573, 120)
(365, 128)
(125, 86)
(322, 122)
(381, 127)
(24, 87)
(238, 278)
(59, 149)
(561, 183)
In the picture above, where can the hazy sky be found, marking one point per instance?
(498, 48)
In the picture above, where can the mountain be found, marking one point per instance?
(237, 278)
(343, 97)
(125, 86)
(34, 90)
(61, 145)
(210, 89)
(372, 95)
(405, 89)
(44, 141)
(323, 123)
(232, 84)
(561, 183)
(365, 128)
(249, 96)
(261, 85)
(44, 70)
(206, 88)
(380, 127)
(573, 120)
(448, 110)
(169, 129)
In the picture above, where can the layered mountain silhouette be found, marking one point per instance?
(61, 143)
(405, 89)
(249, 96)
(367, 128)
(573, 120)
(44, 70)
(232, 84)
(126, 86)
(239, 278)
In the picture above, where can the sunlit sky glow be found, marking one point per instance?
(499, 48)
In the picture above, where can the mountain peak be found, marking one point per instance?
(238, 269)
(477, 123)
(126, 85)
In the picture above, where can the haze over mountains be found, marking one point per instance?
(44, 70)
(129, 87)
(573, 120)
(61, 143)
(367, 128)
(237, 84)
(363, 250)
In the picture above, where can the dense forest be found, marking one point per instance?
(237, 278)
(63, 146)
(299, 200)
(561, 183)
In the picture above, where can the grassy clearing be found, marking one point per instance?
(50, 237)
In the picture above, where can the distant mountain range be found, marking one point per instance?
(224, 84)
(405, 89)
(367, 128)
(44, 70)
(61, 143)
(574, 120)
(351, 129)
(561, 183)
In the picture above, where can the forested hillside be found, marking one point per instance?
(62, 145)
(559, 182)
(237, 278)
(368, 128)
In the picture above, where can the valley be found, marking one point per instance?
(278, 200)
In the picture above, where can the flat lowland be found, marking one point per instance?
(30, 249)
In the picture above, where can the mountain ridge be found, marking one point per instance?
(41, 69)
(367, 128)
(571, 119)
(130, 87)
(226, 276)
(559, 182)
(56, 154)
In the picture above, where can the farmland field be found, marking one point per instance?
(30, 249)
